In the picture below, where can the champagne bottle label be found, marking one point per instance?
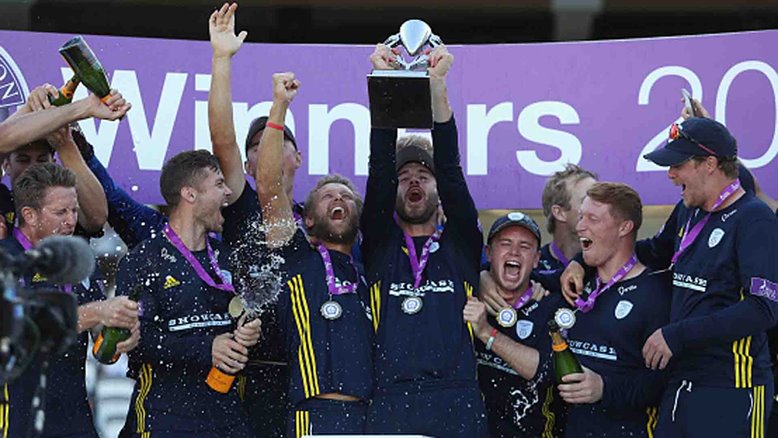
(219, 381)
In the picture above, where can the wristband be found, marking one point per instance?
(274, 126)
(491, 339)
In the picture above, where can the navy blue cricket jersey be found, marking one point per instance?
(548, 263)
(609, 340)
(432, 348)
(324, 356)
(725, 293)
(515, 406)
(67, 410)
(180, 315)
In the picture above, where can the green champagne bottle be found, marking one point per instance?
(564, 360)
(86, 66)
(65, 95)
(104, 348)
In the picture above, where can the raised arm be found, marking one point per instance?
(381, 190)
(133, 221)
(458, 204)
(17, 131)
(225, 44)
(275, 202)
(93, 208)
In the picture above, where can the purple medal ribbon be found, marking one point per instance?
(176, 241)
(559, 254)
(586, 306)
(27, 245)
(330, 274)
(689, 236)
(418, 264)
(523, 299)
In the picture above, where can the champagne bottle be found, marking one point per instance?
(219, 381)
(104, 349)
(65, 95)
(564, 360)
(85, 65)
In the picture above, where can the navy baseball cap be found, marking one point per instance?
(259, 125)
(514, 218)
(696, 137)
(414, 154)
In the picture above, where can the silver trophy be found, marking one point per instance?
(400, 98)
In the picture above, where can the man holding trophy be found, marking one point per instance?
(419, 276)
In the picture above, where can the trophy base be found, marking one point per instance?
(400, 99)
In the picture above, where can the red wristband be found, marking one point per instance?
(274, 126)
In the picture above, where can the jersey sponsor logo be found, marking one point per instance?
(170, 281)
(166, 255)
(528, 309)
(715, 237)
(764, 288)
(689, 282)
(622, 309)
(496, 362)
(524, 328)
(593, 350)
(407, 289)
(726, 216)
(624, 289)
(199, 321)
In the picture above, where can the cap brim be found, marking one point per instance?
(668, 156)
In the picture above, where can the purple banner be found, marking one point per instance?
(523, 110)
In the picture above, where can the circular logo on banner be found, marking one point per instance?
(13, 87)
(715, 237)
(622, 309)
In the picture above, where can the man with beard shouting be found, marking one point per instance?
(420, 278)
(327, 330)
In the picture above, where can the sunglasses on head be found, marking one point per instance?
(677, 132)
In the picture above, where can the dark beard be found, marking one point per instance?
(323, 231)
(423, 218)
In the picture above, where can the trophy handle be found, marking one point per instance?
(420, 63)
(392, 41)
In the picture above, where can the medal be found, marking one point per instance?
(564, 318)
(412, 305)
(507, 317)
(331, 310)
(235, 308)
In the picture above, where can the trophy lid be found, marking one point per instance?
(414, 34)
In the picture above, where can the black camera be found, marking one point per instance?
(39, 321)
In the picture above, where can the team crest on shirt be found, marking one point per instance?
(524, 328)
(622, 309)
(715, 237)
